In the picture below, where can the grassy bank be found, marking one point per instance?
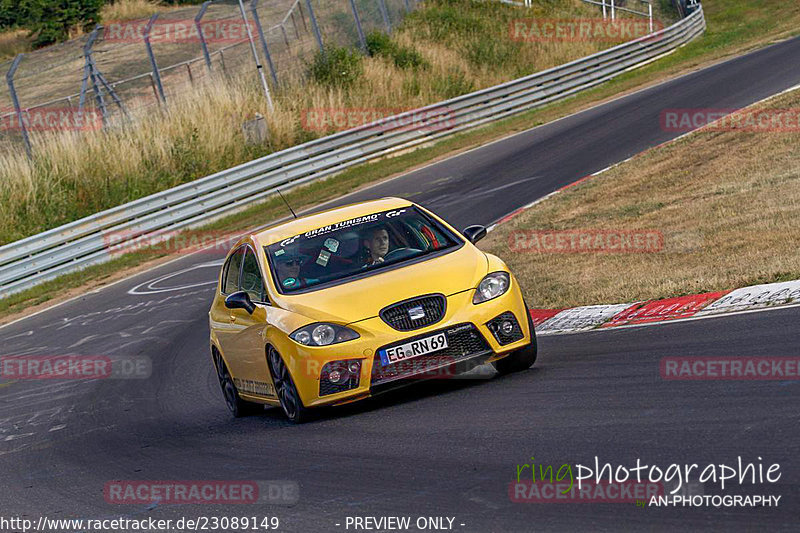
(727, 204)
(444, 49)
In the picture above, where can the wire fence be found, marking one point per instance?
(127, 69)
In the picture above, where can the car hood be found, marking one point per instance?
(457, 271)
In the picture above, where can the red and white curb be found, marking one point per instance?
(557, 321)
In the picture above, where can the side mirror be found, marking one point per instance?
(475, 233)
(240, 300)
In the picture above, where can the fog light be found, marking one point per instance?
(339, 376)
(505, 328)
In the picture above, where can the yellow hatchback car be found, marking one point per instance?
(340, 305)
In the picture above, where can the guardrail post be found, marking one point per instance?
(260, 30)
(153, 64)
(385, 15)
(361, 39)
(315, 26)
(15, 101)
(203, 43)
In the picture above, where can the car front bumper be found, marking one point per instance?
(470, 343)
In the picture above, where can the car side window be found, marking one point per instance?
(230, 276)
(252, 282)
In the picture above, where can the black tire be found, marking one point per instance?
(521, 359)
(236, 405)
(285, 389)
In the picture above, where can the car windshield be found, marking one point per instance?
(355, 248)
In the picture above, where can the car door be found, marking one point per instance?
(221, 316)
(251, 374)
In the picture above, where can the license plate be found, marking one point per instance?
(413, 349)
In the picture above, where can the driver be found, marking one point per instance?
(376, 241)
(288, 268)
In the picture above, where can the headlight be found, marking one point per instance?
(493, 285)
(322, 335)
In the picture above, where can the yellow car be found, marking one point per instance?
(341, 305)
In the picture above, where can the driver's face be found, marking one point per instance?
(290, 269)
(378, 244)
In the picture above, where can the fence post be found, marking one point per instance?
(650, 14)
(15, 101)
(605, 14)
(315, 26)
(89, 75)
(361, 39)
(254, 9)
(259, 66)
(153, 64)
(613, 11)
(385, 15)
(408, 6)
(203, 43)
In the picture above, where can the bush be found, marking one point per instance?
(336, 67)
(380, 44)
(50, 21)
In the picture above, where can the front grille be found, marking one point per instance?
(464, 341)
(399, 315)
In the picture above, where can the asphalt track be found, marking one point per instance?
(444, 448)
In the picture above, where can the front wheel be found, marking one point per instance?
(285, 389)
(521, 359)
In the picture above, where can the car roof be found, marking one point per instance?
(293, 227)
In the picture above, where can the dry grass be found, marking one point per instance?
(13, 42)
(77, 175)
(133, 9)
(727, 203)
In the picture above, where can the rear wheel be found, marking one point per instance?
(236, 405)
(521, 359)
(286, 390)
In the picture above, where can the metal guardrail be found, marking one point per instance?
(85, 242)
